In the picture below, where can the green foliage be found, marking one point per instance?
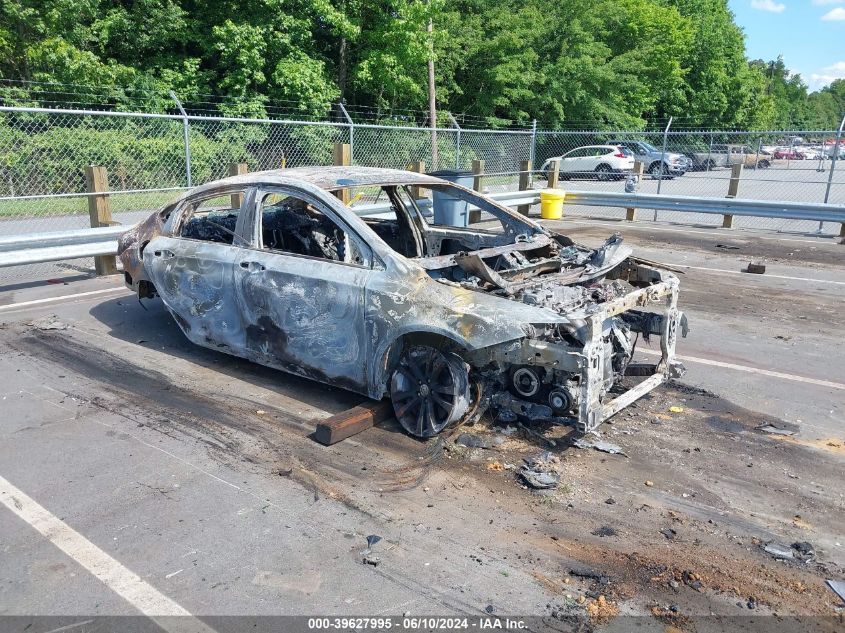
(612, 63)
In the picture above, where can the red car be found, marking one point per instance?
(789, 154)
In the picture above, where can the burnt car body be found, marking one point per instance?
(446, 320)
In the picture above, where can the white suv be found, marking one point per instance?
(605, 162)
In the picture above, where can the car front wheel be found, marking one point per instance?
(429, 390)
(657, 168)
(604, 172)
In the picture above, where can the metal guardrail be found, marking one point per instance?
(34, 248)
(818, 212)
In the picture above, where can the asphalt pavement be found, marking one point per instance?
(141, 474)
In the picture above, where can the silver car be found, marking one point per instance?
(386, 299)
(654, 160)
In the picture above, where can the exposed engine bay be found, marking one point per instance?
(544, 379)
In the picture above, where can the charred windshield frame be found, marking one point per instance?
(512, 223)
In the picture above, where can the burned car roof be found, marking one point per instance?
(327, 178)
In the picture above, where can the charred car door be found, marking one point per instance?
(192, 263)
(301, 286)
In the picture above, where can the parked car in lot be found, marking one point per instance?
(718, 155)
(812, 153)
(727, 155)
(446, 320)
(788, 154)
(653, 160)
(605, 162)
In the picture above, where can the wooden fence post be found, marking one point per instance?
(553, 174)
(631, 212)
(733, 189)
(478, 172)
(237, 169)
(524, 183)
(99, 212)
(418, 167)
(342, 157)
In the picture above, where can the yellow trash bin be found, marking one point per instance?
(551, 204)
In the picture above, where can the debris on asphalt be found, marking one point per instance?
(669, 533)
(470, 440)
(489, 609)
(367, 555)
(372, 560)
(589, 574)
(838, 587)
(649, 483)
(676, 409)
(773, 430)
(779, 551)
(51, 322)
(692, 580)
(610, 501)
(805, 550)
(539, 480)
(728, 247)
(599, 445)
(755, 268)
(601, 610)
(604, 530)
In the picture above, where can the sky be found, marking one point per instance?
(809, 34)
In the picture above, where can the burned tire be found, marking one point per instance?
(429, 390)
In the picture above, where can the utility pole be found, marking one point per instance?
(432, 107)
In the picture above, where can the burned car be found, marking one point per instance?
(381, 296)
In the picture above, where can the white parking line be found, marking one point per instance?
(739, 272)
(26, 304)
(125, 583)
(752, 370)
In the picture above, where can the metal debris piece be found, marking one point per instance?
(838, 587)
(669, 533)
(539, 480)
(755, 269)
(372, 539)
(806, 551)
(728, 247)
(779, 551)
(773, 430)
(371, 560)
(599, 445)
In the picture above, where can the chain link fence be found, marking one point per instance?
(776, 165)
(150, 158)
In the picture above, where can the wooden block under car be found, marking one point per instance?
(352, 421)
